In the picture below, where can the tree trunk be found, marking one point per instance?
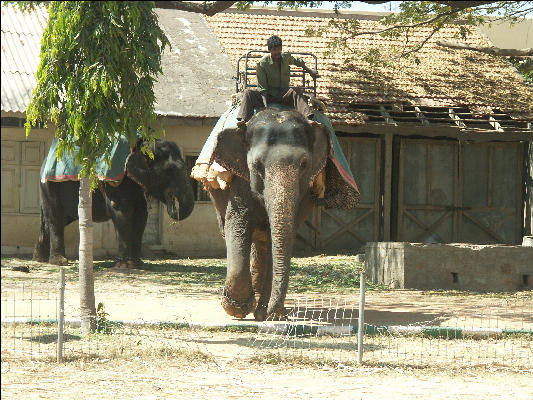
(86, 276)
(529, 192)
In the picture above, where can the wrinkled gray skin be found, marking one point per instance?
(275, 162)
(165, 178)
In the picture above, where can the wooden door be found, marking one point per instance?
(451, 192)
(427, 191)
(351, 229)
(492, 180)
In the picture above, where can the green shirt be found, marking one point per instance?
(273, 80)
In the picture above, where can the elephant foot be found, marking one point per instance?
(39, 256)
(58, 259)
(128, 264)
(238, 308)
(278, 314)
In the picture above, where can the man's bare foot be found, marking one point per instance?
(241, 124)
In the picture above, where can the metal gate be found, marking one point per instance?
(456, 192)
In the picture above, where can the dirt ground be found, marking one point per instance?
(206, 364)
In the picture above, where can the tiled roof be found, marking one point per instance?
(197, 76)
(21, 43)
(444, 77)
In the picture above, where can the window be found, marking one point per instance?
(200, 194)
(21, 165)
(13, 122)
(9, 122)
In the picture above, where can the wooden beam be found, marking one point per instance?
(496, 51)
(208, 8)
(495, 124)
(421, 116)
(387, 189)
(456, 118)
(467, 134)
(386, 116)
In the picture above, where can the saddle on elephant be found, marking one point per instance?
(336, 177)
(68, 169)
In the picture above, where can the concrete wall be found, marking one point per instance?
(507, 36)
(450, 266)
(198, 235)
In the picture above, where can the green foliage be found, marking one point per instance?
(337, 5)
(414, 16)
(524, 65)
(95, 79)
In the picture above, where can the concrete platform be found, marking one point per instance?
(480, 268)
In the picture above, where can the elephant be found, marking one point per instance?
(275, 159)
(165, 177)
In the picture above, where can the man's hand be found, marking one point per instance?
(312, 72)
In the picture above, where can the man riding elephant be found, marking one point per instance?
(273, 79)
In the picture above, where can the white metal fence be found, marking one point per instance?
(38, 324)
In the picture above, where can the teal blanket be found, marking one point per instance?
(67, 170)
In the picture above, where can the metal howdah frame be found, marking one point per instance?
(295, 72)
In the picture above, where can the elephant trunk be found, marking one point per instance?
(281, 204)
(183, 196)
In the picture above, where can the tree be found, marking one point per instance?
(98, 64)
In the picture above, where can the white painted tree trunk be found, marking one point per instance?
(529, 212)
(86, 276)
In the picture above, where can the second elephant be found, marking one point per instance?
(165, 177)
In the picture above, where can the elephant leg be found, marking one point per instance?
(41, 252)
(129, 225)
(57, 239)
(261, 269)
(133, 250)
(238, 295)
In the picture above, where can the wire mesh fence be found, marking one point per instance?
(318, 329)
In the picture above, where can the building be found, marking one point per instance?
(439, 149)
(193, 92)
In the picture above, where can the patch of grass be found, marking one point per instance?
(297, 360)
(326, 273)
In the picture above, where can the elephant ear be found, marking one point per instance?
(137, 168)
(231, 152)
(322, 148)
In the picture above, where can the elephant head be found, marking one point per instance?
(165, 177)
(277, 158)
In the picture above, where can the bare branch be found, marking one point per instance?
(528, 52)
(410, 26)
(208, 8)
(421, 44)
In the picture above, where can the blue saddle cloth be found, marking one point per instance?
(67, 169)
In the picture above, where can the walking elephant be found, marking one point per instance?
(165, 178)
(275, 159)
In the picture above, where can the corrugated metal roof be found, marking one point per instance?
(21, 43)
(197, 76)
(444, 77)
